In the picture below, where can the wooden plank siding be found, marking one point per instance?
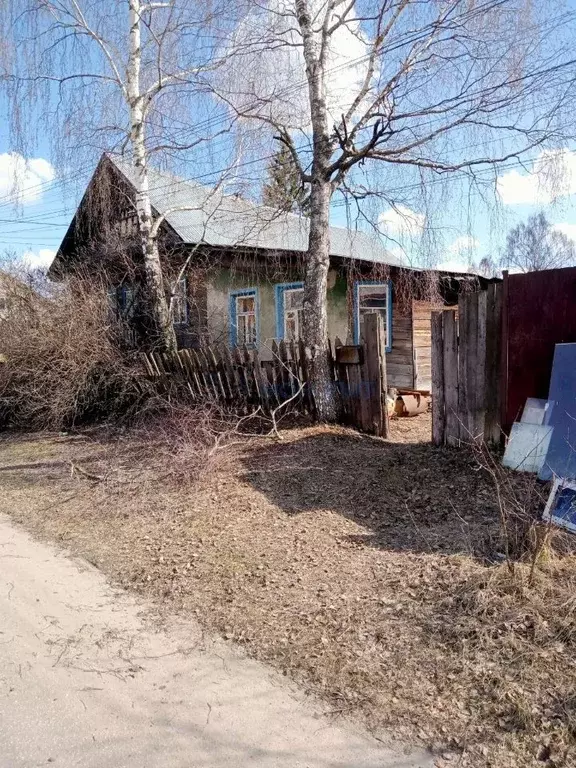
(422, 341)
(400, 361)
(466, 369)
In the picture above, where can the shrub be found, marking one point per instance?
(62, 361)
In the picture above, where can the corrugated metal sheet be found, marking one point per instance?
(226, 220)
(540, 313)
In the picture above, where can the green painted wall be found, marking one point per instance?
(221, 284)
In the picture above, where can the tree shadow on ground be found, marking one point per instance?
(407, 497)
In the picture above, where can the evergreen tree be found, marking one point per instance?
(284, 189)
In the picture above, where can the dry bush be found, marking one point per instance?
(187, 442)
(61, 358)
(522, 537)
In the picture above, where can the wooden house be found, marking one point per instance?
(235, 270)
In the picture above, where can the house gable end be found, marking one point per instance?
(105, 224)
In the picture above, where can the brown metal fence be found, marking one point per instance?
(539, 312)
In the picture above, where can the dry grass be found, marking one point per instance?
(354, 565)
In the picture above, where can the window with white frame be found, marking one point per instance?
(180, 303)
(373, 298)
(244, 322)
(293, 311)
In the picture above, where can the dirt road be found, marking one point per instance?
(87, 680)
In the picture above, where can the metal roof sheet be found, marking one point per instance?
(218, 219)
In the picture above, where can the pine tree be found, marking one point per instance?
(284, 189)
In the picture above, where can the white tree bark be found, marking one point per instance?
(318, 255)
(137, 101)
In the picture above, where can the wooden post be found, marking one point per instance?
(376, 373)
(478, 371)
(364, 391)
(438, 403)
(492, 431)
(450, 355)
(342, 382)
(355, 387)
(467, 312)
(383, 378)
(504, 354)
(472, 365)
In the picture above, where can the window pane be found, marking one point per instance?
(293, 301)
(246, 319)
(291, 326)
(251, 329)
(129, 303)
(241, 329)
(179, 303)
(373, 296)
(245, 304)
(246, 329)
(293, 298)
(373, 299)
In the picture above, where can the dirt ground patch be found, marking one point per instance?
(355, 565)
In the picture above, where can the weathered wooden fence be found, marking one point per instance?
(466, 368)
(246, 379)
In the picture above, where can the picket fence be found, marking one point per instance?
(244, 380)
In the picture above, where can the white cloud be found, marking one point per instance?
(567, 229)
(402, 221)
(461, 252)
(266, 74)
(22, 181)
(38, 259)
(463, 245)
(453, 265)
(553, 175)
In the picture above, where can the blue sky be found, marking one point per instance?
(48, 198)
(460, 222)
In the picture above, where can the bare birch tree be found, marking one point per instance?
(423, 87)
(111, 73)
(535, 245)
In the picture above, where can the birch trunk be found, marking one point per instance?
(156, 294)
(315, 301)
(318, 254)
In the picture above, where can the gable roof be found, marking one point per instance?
(230, 221)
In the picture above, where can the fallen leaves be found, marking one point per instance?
(359, 576)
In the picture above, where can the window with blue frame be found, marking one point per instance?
(289, 310)
(243, 317)
(373, 298)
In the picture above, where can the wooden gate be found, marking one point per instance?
(466, 369)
